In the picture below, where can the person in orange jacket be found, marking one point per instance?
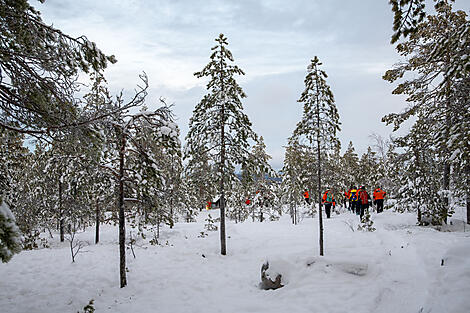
(362, 201)
(349, 197)
(328, 200)
(379, 196)
(306, 196)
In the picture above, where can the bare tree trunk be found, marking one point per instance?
(467, 174)
(61, 217)
(122, 227)
(320, 215)
(446, 187)
(223, 247)
(97, 222)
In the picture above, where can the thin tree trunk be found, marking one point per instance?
(446, 187)
(61, 213)
(223, 247)
(467, 173)
(320, 215)
(122, 227)
(97, 222)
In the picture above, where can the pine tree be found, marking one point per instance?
(40, 65)
(350, 164)
(320, 121)
(292, 183)
(368, 169)
(10, 236)
(431, 91)
(218, 125)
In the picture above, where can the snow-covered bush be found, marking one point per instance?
(10, 236)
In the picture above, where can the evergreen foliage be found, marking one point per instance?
(319, 123)
(434, 99)
(40, 67)
(218, 126)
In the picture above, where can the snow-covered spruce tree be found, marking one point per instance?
(459, 143)
(384, 152)
(159, 195)
(430, 91)
(350, 166)
(199, 173)
(40, 67)
(319, 123)
(420, 182)
(255, 183)
(12, 159)
(366, 223)
(10, 236)
(408, 14)
(292, 183)
(368, 170)
(218, 125)
(333, 175)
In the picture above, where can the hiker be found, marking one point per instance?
(362, 201)
(379, 196)
(306, 196)
(348, 196)
(328, 200)
(353, 199)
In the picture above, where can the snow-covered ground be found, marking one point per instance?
(397, 268)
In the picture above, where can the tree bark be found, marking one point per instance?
(223, 247)
(122, 228)
(467, 174)
(61, 213)
(320, 215)
(97, 222)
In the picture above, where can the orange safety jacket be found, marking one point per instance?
(325, 196)
(306, 195)
(379, 194)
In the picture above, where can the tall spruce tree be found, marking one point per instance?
(218, 125)
(430, 92)
(292, 182)
(319, 123)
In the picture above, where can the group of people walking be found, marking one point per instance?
(358, 200)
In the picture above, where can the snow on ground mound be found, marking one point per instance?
(394, 269)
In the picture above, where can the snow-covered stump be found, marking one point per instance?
(267, 281)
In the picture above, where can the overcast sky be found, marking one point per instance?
(273, 41)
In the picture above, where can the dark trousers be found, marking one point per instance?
(380, 205)
(362, 207)
(355, 207)
(328, 210)
(307, 200)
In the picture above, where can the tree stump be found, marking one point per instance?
(267, 283)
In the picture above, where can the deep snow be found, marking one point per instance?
(394, 269)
